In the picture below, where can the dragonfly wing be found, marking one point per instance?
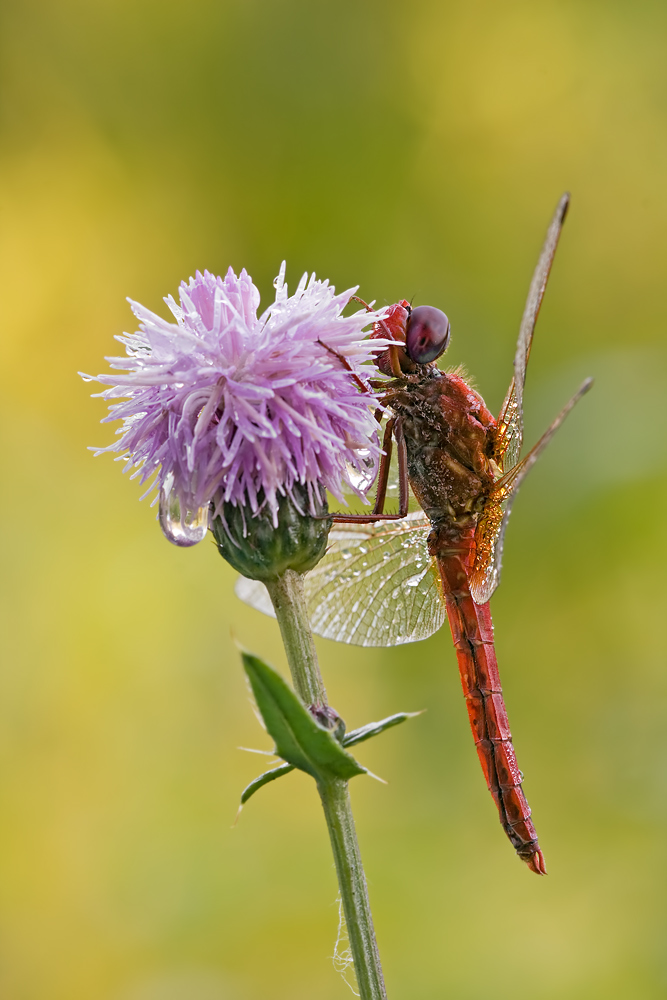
(492, 524)
(509, 433)
(536, 294)
(377, 585)
(489, 539)
(254, 593)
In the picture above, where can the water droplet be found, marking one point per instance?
(346, 554)
(181, 527)
(362, 478)
(363, 549)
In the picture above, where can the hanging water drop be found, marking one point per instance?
(181, 526)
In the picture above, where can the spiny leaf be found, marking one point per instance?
(264, 779)
(375, 728)
(299, 739)
(350, 739)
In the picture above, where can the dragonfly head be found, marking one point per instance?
(426, 334)
(421, 335)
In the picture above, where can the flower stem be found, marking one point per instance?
(286, 593)
(289, 603)
(335, 798)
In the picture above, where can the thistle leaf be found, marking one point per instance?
(350, 739)
(264, 779)
(299, 739)
(375, 728)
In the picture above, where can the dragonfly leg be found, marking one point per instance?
(393, 425)
(346, 365)
(394, 357)
(380, 322)
(394, 362)
(402, 455)
(385, 462)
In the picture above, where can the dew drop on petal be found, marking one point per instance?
(181, 527)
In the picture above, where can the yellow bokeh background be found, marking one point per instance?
(416, 149)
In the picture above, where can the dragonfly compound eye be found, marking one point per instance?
(427, 334)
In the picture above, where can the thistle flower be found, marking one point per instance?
(225, 407)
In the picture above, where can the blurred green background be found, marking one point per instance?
(416, 149)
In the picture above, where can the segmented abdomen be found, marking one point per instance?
(472, 632)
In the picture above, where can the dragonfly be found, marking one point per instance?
(392, 578)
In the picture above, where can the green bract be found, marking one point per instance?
(261, 551)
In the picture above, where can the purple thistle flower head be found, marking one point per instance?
(224, 406)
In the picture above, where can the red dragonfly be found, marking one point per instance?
(387, 579)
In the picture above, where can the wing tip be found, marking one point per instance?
(563, 206)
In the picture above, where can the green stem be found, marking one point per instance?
(286, 593)
(335, 797)
(289, 603)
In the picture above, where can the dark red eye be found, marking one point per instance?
(427, 334)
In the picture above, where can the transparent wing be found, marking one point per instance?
(489, 540)
(255, 594)
(509, 433)
(492, 524)
(377, 585)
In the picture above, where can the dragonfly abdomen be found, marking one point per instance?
(472, 633)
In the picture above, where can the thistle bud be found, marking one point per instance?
(261, 550)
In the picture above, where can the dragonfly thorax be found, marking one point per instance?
(449, 439)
